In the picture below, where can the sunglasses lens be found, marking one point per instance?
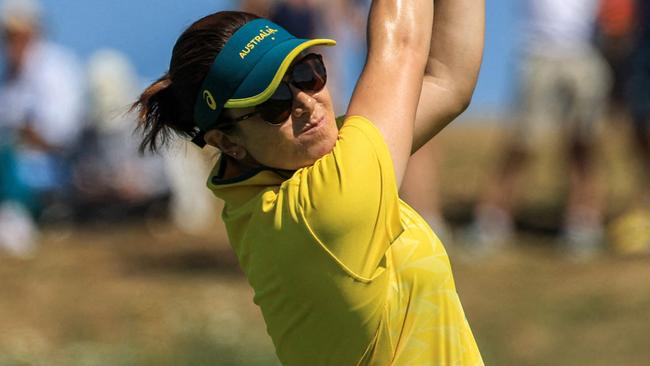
(309, 74)
(277, 108)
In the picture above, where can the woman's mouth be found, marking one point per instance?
(313, 125)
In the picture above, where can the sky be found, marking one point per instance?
(145, 30)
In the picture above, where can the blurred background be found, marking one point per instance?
(540, 191)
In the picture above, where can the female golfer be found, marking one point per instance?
(344, 272)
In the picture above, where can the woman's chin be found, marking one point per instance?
(307, 153)
(322, 148)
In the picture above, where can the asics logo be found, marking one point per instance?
(209, 99)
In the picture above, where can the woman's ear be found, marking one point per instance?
(228, 144)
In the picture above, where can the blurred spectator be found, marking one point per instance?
(299, 17)
(194, 209)
(616, 23)
(41, 103)
(257, 7)
(345, 21)
(110, 178)
(630, 233)
(638, 90)
(564, 83)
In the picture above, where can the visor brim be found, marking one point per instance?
(262, 81)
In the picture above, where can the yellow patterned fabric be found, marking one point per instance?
(425, 323)
(343, 271)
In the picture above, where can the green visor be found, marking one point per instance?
(248, 69)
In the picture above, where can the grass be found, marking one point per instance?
(145, 294)
(126, 297)
(531, 306)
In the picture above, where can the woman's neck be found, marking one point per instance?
(236, 168)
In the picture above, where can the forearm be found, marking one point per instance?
(452, 66)
(389, 88)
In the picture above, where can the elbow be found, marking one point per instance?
(455, 95)
(464, 92)
(464, 102)
(460, 102)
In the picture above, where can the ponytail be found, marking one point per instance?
(158, 115)
(166, 107)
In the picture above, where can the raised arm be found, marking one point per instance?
(452, 68)
(388, 91)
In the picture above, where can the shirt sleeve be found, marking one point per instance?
(57, 83)
(349, 200)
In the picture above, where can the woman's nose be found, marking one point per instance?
(303, 102)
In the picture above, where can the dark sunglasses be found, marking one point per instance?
(308, 75)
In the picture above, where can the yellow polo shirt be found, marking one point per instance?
(343, 271)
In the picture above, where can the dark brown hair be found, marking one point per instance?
(167, 105)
